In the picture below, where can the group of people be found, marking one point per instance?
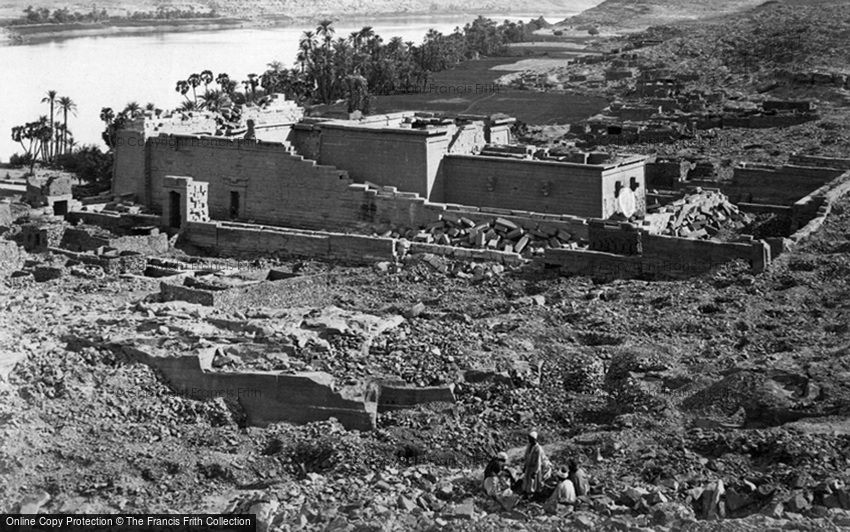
(537, 480)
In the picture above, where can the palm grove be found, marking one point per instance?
(355, 68)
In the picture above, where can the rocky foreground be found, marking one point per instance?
(716, 403)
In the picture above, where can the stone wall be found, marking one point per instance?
(77, 239)
(113, 262)
(539, 186)
(266, 397)
(809, 213)
(38, 237)
(666, 174)
(393, 396)
(235, 239)
(309, 290)
(621, 251)
(523, 185)
(820, 162)
(662, 258)
(129, 167)
(114, 221)
(777, 185)
(383, 156)
(386, 207)
(273, 185)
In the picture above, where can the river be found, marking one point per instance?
(109, 71)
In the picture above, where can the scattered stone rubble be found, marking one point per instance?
(701, 214)
(498, 234)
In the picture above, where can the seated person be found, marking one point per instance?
(579, 479)
(564, 493)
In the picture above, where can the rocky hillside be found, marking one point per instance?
(629, 14)
(786, 34)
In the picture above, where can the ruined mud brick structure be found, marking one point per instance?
(51, 191)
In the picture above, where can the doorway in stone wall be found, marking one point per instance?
(234, 204)
(60, 208)
(174, 215)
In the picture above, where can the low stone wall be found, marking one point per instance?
(266, 396)
(392, 396)
(659, 257)
(124, 262)
(762, 208)
(38, 237)
(75, 239)
(810, 212)
(311, 290)
(821, 162)
(114, 221)
(236, 239)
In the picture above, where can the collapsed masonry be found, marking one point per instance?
(263, 353)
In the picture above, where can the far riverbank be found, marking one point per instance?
(40, 33)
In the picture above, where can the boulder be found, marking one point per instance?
(414, 310)
(46, 273)
(668, 513)
(656, 497)
(444, 490)
(464, 510)
(798, 503)
(265, 513)
(711, 500)
(631, 496)
(737, 499)
(31, 504)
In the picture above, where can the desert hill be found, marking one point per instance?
(632, 14)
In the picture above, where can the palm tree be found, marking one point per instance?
(305, 49)
(206, 78)
(132, 110)
(182, 87)
(223, 81)
(67, 105)
(365, 34)
(107, 114)
(276, 67)
(325, 30)
(194, 80)
(51, 99)
(213, 100)
(251, 83)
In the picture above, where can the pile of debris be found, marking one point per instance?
(700, 214)
(498, 234)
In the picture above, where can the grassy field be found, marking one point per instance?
(469, 88)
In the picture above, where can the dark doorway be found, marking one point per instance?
(60, 208)
(174, 216)
(234, 205)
